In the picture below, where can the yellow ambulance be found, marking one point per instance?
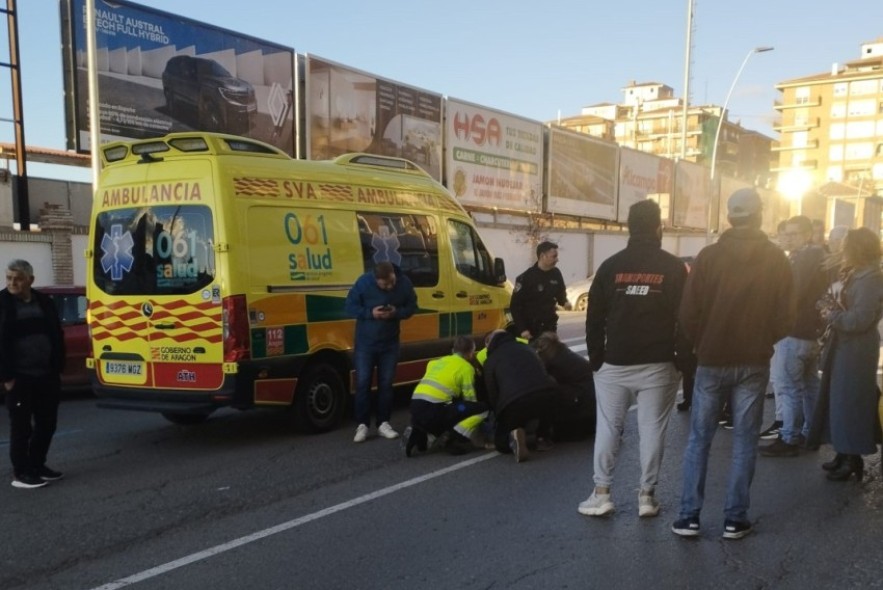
(217, 269)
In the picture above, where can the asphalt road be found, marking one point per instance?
(242, 502)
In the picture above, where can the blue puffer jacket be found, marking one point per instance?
(365, 295)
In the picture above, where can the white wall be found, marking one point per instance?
(39, 254)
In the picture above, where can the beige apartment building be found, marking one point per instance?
(830, 152)
(650, 119)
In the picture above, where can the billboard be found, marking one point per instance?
(493, 159)
(160, 73)
(351, 111)
(582, 175)
(692, 196)
(643, 176)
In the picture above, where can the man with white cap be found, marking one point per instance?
(737, 303)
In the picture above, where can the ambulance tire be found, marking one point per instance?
(320, 399)
(185, 419)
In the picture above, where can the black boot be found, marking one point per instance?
(834, 463)
(852, 464)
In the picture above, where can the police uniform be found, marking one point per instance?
(533, 302)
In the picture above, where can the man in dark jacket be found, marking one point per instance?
(537, 291)
(31, 361)
(518, 390)
(737, 303)
(631, 328)
(797, 355)
(379, 300)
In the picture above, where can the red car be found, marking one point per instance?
(71, 304)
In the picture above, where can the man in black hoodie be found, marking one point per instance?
(519, 391)
(631, 329)
(738, 302)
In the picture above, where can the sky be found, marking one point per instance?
(534, 59)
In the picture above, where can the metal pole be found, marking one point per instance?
(92, 77)
(720, 124)
(687, 79)
(21, 164)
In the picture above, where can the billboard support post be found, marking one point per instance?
(92, 76)
(21, 182)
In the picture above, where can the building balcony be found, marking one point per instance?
(805, 125)
(810, 145)
(812, 102)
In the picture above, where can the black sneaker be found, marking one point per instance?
(27, 481)
(686, 527)
(728, 425)
(683, 406)
(518, 444)
(779, 448)
(772, 433)
(734, 529)
(47, 474)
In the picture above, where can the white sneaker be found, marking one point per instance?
(387, 431)
(361, 434)
(648, 505)
(596, 505)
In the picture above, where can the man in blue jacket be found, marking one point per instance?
(379, 300)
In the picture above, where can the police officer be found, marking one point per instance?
(537, 290)
(444, 402)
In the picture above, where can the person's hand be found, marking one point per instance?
(383, 312)
(568, 306)
(8, 385)
(526, 334)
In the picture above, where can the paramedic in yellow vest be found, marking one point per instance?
(444, 402)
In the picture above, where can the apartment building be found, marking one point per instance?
(650, 119)
(830, 151)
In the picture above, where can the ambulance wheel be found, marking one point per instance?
(320, 399)
(185, 419)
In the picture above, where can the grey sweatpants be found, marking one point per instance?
(654, 386)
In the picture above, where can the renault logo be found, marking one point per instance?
(147, 309)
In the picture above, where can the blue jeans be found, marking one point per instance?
(744, 386)
(365, 358)
(799, 384)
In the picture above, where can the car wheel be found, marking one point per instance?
(170, 103)
(582, 302)
(210, 117)
(185, 419)
(320, 399)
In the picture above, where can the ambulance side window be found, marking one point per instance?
(471, 258)
(409, 241)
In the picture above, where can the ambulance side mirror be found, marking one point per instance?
(499, 271)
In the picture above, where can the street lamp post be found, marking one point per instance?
(720, 124)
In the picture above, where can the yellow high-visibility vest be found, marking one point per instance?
(447, 378)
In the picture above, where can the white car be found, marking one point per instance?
(578, 294)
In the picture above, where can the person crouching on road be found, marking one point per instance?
(444, 400)
(519, 392)
(631, 335)
(573, 417)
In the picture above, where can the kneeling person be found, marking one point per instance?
(444, 402)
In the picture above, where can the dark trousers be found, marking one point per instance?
(535, 406)
(33, 416)
(438, 418)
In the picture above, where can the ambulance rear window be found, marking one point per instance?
(162, 250)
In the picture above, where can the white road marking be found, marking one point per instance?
(279, 528)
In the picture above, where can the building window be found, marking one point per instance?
(836, 130)
(858, 151)
(877, 171)
(835, 173)
(858, 129)
(838, 110)
(860, 87)
(840, 89)
(798, 139)
(862, 108)
(835, 153)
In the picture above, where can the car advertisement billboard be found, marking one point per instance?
(159, 73)
(493, 159)
(692, 191)
(582, 175)
(643, 176)
(351, 111)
